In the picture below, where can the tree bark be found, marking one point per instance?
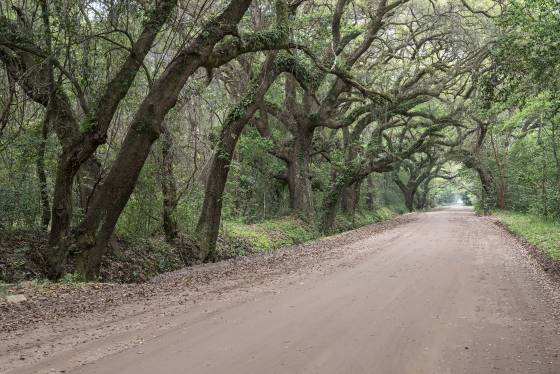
(501, 173)
(37, 80)
(350, 198)
(422, 198)
(64, 122)
(333, 197)
(99, 223)
(501, 191)
(409, 192)
(87, 179)
(299, 174)
(370, 195)
(409, 200)
(329, 209)
(210, 217)
(42, 178)
(168, 187)
(291, 183)
(488, 191)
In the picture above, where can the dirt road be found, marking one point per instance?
(447, 292)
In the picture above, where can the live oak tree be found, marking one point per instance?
(204, 51)
(169, 117)
(417, 170)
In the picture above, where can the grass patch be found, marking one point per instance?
(272, 234)
(539, 231)
(348, 222)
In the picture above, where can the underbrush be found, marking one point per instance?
(131, 260)
(271, 234)
(538, 231)
(290, 230)
(22, 257)
(349, 222)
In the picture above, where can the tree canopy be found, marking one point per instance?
(167, 117)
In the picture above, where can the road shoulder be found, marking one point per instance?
(104, 318)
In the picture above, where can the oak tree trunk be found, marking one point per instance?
(501, 191)
(168, 187)
(329, 210)
(422, 198)
(299, 174)
(370, 194)
(409, 200)
(42, 178)
(99, 223)
(488, 190)
(208, 226)
(350, 198)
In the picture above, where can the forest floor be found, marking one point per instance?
(437, 292)
(134, 258)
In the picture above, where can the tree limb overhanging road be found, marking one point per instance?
(443, 292)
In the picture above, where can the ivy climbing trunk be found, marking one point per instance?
(299, 173)
(341, 182)
(350, 198)
(87, 178)
(488, 190)
(208, 226)
(328, 221)
(210, 217)
(98, 225)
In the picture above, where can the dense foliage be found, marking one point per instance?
(191, 120)
(526, 139)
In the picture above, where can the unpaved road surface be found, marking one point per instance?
(445, 292)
